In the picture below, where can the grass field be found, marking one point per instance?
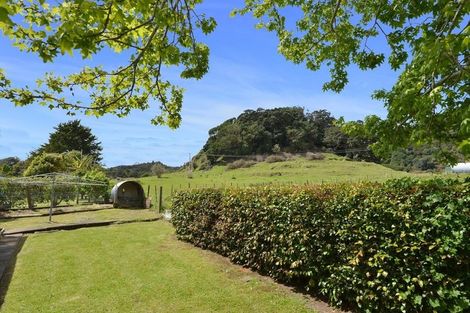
(103, 215)
(296, 171)
(135, 268)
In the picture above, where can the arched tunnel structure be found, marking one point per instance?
(128, 194)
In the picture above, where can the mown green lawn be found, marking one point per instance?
(131, 268)
(81, 217)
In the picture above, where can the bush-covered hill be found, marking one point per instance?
(136, 170)
(263, 132)
(289, 129)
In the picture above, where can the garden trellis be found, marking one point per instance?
(50, 187)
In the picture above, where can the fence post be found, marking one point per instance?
(160, 200)
(29, 198)
(52, 199)
(148, 191)
(78, 192)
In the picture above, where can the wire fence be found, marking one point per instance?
(161, 194)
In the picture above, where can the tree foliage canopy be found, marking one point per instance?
(73, 136)
(153, 33)
(67, 162)
(158, 169)
(45, 163)
(137, 170)
(11, 166)
(428, 41)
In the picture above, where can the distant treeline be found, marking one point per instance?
(136, 170)
(12, 166)
(292, 130)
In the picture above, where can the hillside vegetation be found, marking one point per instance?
(288, 129)
(136, 170)
(293, 130)
(298, 170)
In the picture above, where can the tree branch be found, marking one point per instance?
(333, 17)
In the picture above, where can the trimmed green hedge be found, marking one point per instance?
(399, 246)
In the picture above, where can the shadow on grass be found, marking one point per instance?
(9, 270)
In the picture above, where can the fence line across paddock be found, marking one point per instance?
(161, 194)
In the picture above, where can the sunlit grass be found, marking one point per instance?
(296, 171)
(135, 268)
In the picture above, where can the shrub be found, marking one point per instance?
(402, 245)
(240, 164)
(314, 156)
(275, 158)
(203, 163)
(7, 195)
(288, 156)
(158, 169)
(96, 192)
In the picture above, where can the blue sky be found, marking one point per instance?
(246, 72)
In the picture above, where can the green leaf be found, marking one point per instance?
(66, 46)
(4, 17)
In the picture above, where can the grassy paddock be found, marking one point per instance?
(135, 268)
(297, 171)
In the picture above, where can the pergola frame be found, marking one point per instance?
(53, 180)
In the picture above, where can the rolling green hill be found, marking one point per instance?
(296, 171)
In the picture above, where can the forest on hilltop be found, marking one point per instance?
(289, 129)
(293, 130)
(136, 170)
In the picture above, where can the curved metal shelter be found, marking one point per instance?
(128, 194)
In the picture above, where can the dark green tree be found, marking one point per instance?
(335, 139)
(72, 136)
(319, 122)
